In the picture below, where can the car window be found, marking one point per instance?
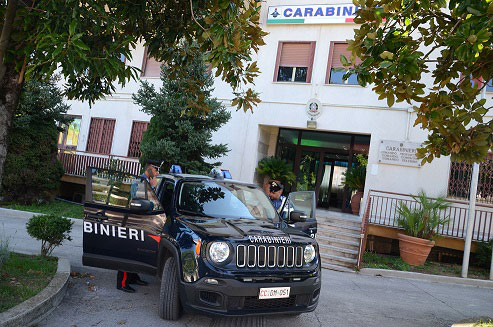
(118, 189)
(225, 200)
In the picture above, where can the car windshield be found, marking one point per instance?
(225, 200)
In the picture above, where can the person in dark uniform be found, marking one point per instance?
(275, 194)
(123, 278)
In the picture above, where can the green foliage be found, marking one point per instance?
(4, 248)
(32, 170)
(356, 176)
(57, 207)
(85, 42)
(174, 135)
(483, 253)
(51, 230)
(277, 169)
(399, 42)
(422, 220)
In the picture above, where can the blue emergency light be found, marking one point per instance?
(226, 174)
(175, 169)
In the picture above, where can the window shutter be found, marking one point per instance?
(152, 68)
(138, 129)
(296, 55)
(338, 50)
(100, 135)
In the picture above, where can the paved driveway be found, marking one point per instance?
(346, 299)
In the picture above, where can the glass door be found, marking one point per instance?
(309, 162)
(331, 190)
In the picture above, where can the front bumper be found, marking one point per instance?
(233, 297)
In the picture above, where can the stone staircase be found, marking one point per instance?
(338, 237)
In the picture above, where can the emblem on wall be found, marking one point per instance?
(314, 108)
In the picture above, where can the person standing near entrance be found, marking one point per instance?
(275, 195)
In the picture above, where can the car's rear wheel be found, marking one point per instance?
(169, 298)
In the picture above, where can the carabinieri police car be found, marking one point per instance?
(217, 245)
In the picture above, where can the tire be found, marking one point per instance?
(169, 298)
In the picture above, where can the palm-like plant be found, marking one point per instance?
(277, 169)
(422, 220)
(355, 178)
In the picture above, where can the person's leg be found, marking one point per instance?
(134, 278)
(122, 282)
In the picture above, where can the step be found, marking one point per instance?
(340, 234)
(340, 220)
(337, 260)
(338, 251)
(335, 241)
(337, 226)
(337, 267)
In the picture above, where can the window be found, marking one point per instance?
(69, 138)
(138, 129)
(333, 77)
(117, 189)
(150, 66)
(100, 135)
(489, 86)
(294, 62)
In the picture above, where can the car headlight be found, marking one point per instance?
(309, 253)
(219, 252)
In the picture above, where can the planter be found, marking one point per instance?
(414, 251)
(356, 202)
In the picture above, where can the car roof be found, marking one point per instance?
(193, 177)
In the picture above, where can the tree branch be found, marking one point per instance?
(6, 32)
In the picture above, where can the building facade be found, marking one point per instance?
(308, 115)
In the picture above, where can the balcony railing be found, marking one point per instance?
(383, 211)
(76, 162)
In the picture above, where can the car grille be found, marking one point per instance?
(263, 256)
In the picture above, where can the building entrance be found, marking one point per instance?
(319, 161)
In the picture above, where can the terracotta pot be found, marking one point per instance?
(414, 251)
(356, 202)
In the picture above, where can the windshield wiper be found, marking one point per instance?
(194, 213)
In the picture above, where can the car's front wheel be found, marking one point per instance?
(169, 298)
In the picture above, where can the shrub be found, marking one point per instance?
(422, 220)
(277, 169)
(51, 230)
(483, 253)
(32, 171)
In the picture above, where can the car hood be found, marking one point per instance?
(257, 231)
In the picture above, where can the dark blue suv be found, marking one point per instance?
(217, 245)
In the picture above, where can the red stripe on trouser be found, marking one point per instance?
(124, 284)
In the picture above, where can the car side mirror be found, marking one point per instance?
(141, 206)
(297, 216)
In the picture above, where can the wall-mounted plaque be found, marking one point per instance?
(399, 153)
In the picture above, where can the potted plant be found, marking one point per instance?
(355, 180)
(272, 168)
(420, 224)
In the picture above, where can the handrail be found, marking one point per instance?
(99, 155)
(482, 204)
(363, 232)
(383, 211)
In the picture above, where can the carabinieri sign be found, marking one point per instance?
(312, 14)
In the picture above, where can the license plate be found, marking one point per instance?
(274, 293)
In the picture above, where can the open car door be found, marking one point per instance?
(123, 222)
(299, 212)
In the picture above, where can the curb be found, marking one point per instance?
(427, 277)
(35, 309)
(14, 213)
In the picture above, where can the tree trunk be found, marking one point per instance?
(10, 90)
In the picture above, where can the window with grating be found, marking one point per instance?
(335, 77)
(294, 62)
(460, 180)
(138, 129)
(100, 135)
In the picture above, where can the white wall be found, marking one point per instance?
(346, 108)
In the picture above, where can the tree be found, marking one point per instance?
(401, 42)
(32, 170)
(174, 135)
(84, 41)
